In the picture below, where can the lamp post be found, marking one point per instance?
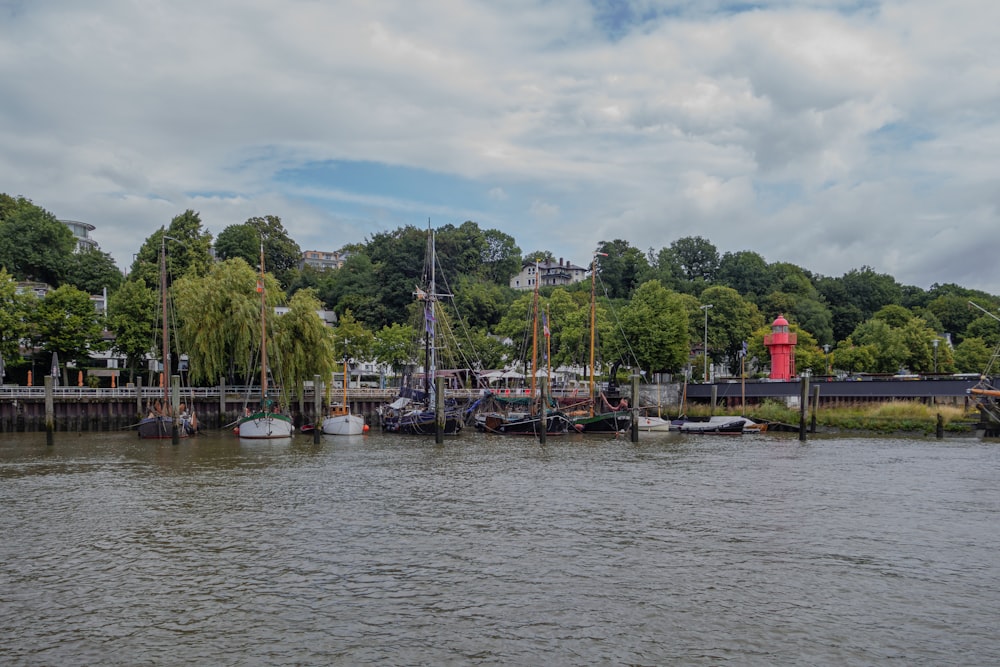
(704, 348)
(935, 344)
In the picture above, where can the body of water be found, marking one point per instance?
(589, 550)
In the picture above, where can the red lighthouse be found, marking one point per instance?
(781, 344)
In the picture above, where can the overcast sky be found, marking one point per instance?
(830, 134)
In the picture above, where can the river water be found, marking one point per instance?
(589, 550)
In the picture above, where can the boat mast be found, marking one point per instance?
(431, 376)
(534, 341)
(263, 332)
(163, 305)
(346, 341)
(593, 324)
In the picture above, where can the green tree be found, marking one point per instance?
(303, 344)
(188, 248)
(656, 325)
(746, 272)
(986, 328)
(353, 339)
(888, 344)
(219, 317)
(971, 355)
(540, 256)
(281, 254)
(893, 315)
(66, 323)
(15, 313)
(133, 317)
(853, 358)
(93, 270)
(399, 267)
(856, 296)
(354, 287)
(34, 245)
(731, 321)
(394, 346)
(622, 270)
(697, 257)
(501, 257)
(481, 302)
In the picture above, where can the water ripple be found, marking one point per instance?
(386, 550)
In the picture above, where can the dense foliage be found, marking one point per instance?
(648, 304)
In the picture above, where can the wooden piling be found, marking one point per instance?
(317, 409)
(439, 416)
(50, 411)
(635, 412)
(803, 407)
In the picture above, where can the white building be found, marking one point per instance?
(550, 274)
(81, 230)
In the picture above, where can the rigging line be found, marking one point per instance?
(466, 335)
(632, 357)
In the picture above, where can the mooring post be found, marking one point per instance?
(439, 416)
(50, 411)
(223, 419)
(543, 421)
(803, 407)
(714, 400)
(815, 408)
(138, 397)
(939, 431)
(317, 408)
(175, 408)
(635, 408)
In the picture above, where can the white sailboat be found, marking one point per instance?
(341, 421)
(264, 423)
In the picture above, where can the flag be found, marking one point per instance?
(260, 286)
(545, 326)
(429, 318)
(421, 295)
(743, 351)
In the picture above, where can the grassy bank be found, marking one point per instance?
(889, 417)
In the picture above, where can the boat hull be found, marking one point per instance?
(609, 422)
(262, 425)
(653, 424)
(422, 422)
(556, 423)
(344, 425)
(161, 427)
(734, 427)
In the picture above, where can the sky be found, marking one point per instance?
(832, 134)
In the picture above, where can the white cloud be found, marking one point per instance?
(828, 134)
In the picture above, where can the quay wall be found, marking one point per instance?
(87, 409)
(81, 409)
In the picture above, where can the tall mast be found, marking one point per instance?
(263, 331)
(593, 324)
(431, 375)
(163, 305)
(534, 341)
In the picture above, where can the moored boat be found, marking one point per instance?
(265, 422)
(731, 426)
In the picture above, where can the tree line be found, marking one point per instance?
(647, 313)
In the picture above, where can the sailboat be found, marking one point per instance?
(265, 422)
(526, 416)
(611, 418)
(415, 409)
(159, 423)
(340, 421)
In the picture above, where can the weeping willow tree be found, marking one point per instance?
(303, 344)
(220, 320)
